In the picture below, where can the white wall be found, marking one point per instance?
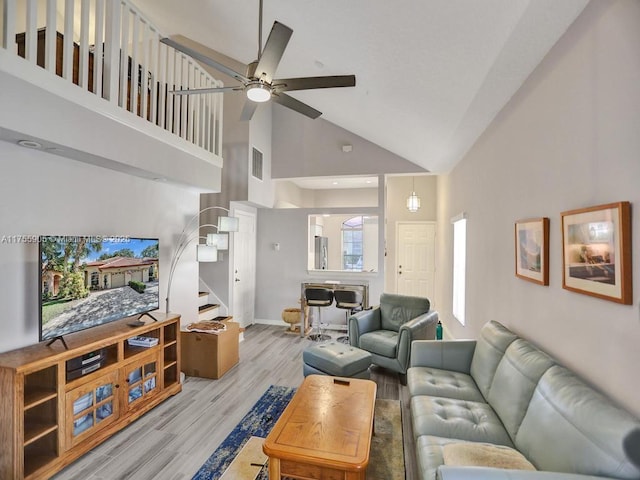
(280, 273)
(398, 189)
(261, 192)
(44, 194)
(570, 138)
(303, 147)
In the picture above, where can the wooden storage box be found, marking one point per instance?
(210, 355)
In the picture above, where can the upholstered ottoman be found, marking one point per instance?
(336, 359)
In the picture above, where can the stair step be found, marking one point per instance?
(203, 294)
(207, 307)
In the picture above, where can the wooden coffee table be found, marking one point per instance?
(325, 431)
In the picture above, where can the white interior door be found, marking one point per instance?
(244, 269)
(415, 258)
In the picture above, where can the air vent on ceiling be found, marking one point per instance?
(256, 164)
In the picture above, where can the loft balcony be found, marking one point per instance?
(90, 80)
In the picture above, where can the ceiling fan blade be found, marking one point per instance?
(308, 83)
(205, 90)
(273, 50)
(290, 102)
(204, 59)
(248, 110)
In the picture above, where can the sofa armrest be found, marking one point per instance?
(455, 355)
(483, 473)
(422, 327)
(418, 328)
(363, 322)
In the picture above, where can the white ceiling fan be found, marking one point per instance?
(258, 83)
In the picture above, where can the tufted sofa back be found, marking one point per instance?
(490, 347)
(570, 427)
(515, 380)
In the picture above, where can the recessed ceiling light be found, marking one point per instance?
(29, 144)
(334, 183)
(368, 181)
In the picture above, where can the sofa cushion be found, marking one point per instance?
(442, 383)
(398, 309)
(381, 342)
(585, 428)
(490, 347)
(430, 455)
(460, 419)
(475, 454)
(514, 382)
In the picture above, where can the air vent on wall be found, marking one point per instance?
(256, 164)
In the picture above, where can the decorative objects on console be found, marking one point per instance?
(207, 252)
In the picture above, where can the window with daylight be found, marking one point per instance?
(352, 244)
(459, 266)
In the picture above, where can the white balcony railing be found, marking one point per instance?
(108, 46)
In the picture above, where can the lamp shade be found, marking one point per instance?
(228, 224)
(413, 202)
(218, 240)
(207, 253)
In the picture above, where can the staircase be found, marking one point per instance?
(207, 310)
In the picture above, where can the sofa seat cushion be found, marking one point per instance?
(442, 383)
(380, 342)
(457, 419)
(430, 454)
(473, 454)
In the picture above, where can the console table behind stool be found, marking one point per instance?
(210, 355)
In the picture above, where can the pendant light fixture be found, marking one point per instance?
(413, 202)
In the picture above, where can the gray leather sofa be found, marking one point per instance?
(387, 330)
(503, 391)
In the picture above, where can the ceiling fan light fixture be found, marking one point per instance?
(258, 92)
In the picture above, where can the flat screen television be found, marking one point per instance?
(87, 281)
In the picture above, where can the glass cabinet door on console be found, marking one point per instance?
(91, 406)
(141, 379)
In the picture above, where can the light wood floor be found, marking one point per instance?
(173, 440)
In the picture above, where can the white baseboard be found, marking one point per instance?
(280, 323)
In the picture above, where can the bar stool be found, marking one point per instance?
(318, 297)
(351, 301)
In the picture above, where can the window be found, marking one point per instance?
(459, 266)
(256, 163)
(352, 244)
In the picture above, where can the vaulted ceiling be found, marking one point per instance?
(431, 74)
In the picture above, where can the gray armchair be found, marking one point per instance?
(386, 331)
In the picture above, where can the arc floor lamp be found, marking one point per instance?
(208, 251)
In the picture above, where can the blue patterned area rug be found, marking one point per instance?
(257, 423)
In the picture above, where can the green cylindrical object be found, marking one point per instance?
(439, 330)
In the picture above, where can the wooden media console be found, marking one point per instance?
(49, 417)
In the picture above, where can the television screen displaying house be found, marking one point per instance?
(87, 281)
